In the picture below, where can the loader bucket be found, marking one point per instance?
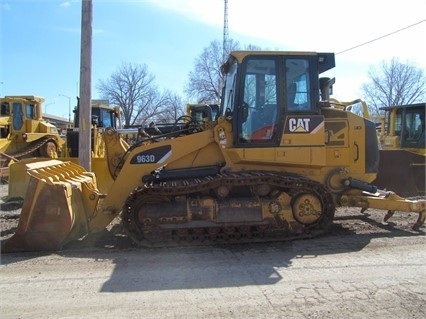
(59, 201)
(19, 178)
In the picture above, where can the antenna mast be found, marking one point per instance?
(225, 32)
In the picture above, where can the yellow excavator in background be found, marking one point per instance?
(23, 131)
(275, 165)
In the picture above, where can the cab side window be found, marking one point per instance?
(30, 111)
(5, 112)
(5, 108)
(298, 85)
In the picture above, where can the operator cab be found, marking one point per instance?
(21, 108)
(102, 115)
(267, 93)
(407, 122)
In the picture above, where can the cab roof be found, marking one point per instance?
(326, 61)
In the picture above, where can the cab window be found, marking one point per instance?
(106, 119)
(30, 111)
(18, 116)
(259, 112)
(5, 108)
(229, 90)
(414, 131)
(298, 85)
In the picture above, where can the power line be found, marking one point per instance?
(383, 36)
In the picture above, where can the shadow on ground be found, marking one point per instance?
(224, 265)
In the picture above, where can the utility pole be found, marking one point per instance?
(85, 129)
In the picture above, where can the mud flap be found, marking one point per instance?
(58, 204)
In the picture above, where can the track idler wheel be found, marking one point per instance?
(307, 208)
(49, 149)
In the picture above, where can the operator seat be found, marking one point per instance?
(263, 123)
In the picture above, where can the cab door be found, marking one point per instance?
(259, 109)
(18, 118)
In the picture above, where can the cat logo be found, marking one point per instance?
(299, 124)
(304, 124)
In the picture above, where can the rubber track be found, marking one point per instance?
(292, 183)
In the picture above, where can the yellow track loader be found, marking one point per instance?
(274, 166)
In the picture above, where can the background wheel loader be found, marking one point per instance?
(274, 166)
(23, 131)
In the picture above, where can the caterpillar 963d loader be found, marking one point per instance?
(273, 166)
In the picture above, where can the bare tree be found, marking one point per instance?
(132, 88)
(173, 107)
(395, 83)
(206, 81)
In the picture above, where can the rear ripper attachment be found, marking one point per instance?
(373, 197)
(228, 207)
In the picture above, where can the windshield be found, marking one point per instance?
(229, 90)
(103, 117)
(413, 132)
(106, 118)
